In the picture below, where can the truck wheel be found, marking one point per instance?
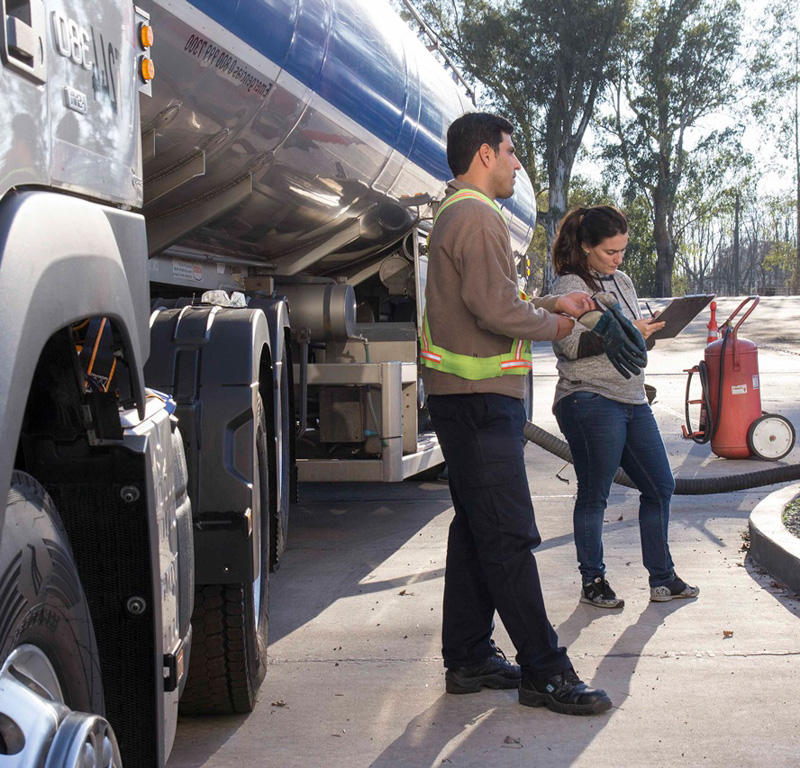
(279, 521)
(49, 667)
(230, 623)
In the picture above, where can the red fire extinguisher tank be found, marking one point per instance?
(741, 393)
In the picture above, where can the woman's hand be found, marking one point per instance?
(648, 327)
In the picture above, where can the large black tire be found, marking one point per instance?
(230, 623)
(43, 610)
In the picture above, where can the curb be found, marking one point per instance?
(771, 545)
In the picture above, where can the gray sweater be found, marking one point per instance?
(596, 374)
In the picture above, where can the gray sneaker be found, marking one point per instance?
(598, 593)
(677, 588)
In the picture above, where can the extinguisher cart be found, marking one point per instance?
(730, 405)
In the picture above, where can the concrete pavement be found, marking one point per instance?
(355, 676)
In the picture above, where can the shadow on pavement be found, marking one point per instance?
(336, 543)
(491, 728)
(785, 597)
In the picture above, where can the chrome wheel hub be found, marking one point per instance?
(36, 726)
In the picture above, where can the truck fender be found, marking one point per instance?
(284, 488)
(64, 259)
(208, 359)
(277, 314)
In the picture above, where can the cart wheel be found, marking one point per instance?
(770, 437)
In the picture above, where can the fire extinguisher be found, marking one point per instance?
(730, 407)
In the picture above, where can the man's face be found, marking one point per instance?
(504, 168)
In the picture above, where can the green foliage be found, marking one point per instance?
(543, 66)
(780, 259)
(677, 77)
(640, 256)
(676, 69)
(773, 68)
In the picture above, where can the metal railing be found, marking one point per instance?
(435, 45)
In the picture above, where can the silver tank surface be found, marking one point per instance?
(327, 309)
(276, 125)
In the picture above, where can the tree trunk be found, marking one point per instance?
(559, 177)
(665, 248)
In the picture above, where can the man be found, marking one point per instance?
(476, 356)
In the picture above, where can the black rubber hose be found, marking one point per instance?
(706, 421)
(692, 486)
(707, 430)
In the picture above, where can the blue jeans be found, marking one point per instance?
(604, 435)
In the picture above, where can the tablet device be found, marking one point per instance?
(677, 315)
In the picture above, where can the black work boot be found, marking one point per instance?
(494, 672)
(564, 693)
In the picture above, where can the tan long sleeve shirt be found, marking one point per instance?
(472, 296)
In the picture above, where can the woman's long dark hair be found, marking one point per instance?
(589, 226)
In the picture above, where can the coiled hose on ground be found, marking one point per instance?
(690, 486)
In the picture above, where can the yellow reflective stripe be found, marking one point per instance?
(470, 194)
(425, 352)
(516, 361)
(467, 194)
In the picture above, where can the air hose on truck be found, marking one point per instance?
(689, 486)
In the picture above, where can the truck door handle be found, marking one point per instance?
(23, 37)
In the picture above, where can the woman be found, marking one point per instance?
(605, 417)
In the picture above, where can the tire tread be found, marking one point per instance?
(218, 681)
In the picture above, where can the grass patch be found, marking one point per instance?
(791, 517)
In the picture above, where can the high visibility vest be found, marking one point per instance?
(516, 361)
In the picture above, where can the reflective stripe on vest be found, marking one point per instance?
(469, 194)
(516, 361)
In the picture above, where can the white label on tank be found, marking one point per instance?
(755, 381)
(183, 269)
(739, 389)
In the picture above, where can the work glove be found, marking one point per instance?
(609, 301)
(623, 344)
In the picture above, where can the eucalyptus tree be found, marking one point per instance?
(677, 64)
(542, 64)
(775, 77)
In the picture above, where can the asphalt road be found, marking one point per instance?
(355, 676)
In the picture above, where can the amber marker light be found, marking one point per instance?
(148, 70)
(146, 36)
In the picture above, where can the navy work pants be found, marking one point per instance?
(490, 565)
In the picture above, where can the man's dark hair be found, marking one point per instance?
(468, 133)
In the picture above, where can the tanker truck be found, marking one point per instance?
(212, 268)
